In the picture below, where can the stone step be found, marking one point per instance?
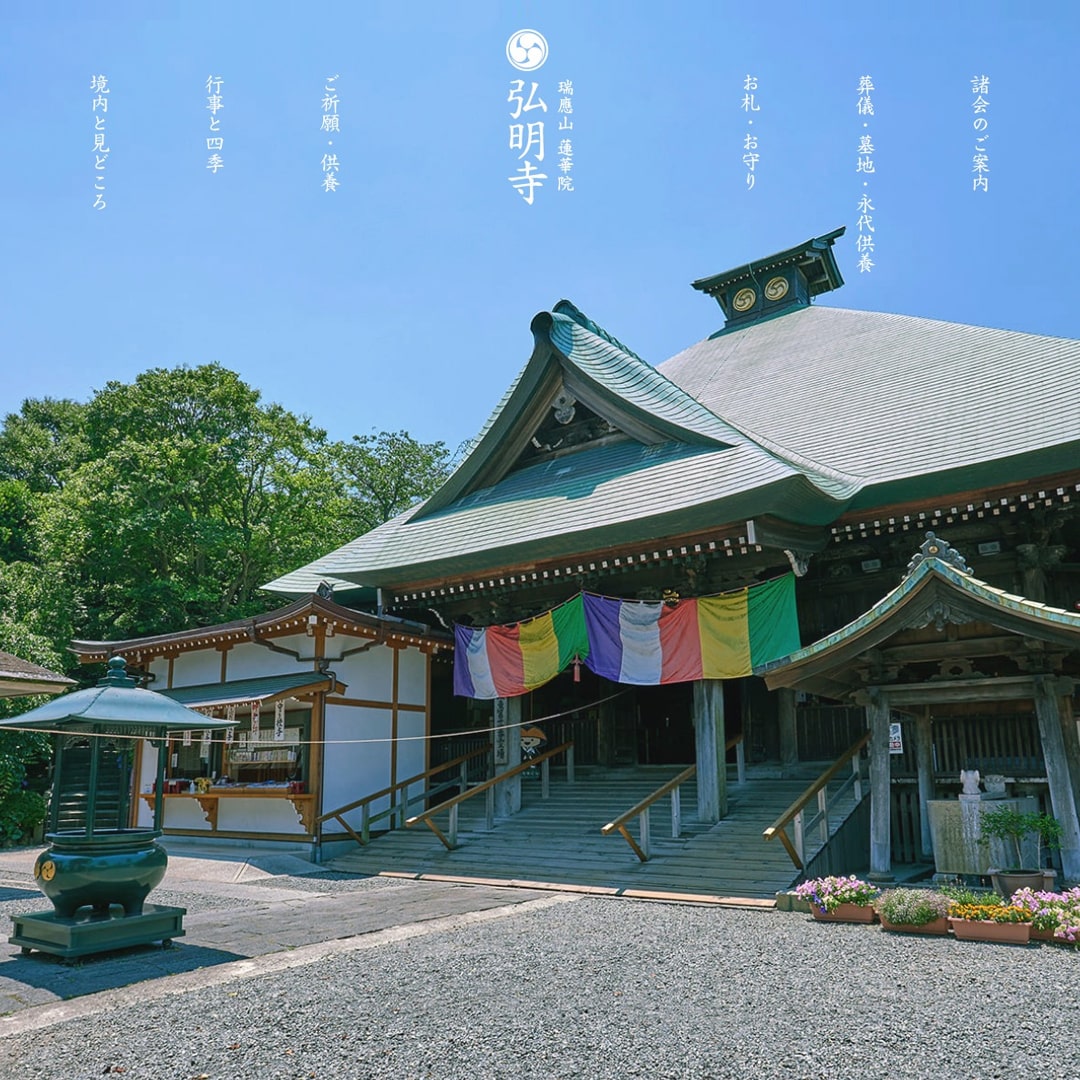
(558, 840)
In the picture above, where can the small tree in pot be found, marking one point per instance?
(1012, 826)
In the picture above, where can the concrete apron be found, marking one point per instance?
(188, 863)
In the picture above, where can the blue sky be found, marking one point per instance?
(403, 299)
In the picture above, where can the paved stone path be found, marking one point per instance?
(237, 911)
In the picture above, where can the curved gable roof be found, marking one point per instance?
(604, 375)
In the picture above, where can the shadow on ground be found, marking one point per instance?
(62, 980)
(18, 894)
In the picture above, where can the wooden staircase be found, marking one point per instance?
(558, 840)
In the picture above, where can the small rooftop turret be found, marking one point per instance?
(776, 284)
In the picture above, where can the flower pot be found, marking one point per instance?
(856, 913)
(1006, 882)
(934, 926)
(1002, 933)
(1042, 935)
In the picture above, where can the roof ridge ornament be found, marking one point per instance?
(933, 547)
(118, 675)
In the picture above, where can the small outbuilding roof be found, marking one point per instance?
(20, 677)
(268, 688)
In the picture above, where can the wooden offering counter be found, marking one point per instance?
(210, 802)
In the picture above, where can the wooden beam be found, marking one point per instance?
(1000, 645)
(1008, 688)
(317, 758)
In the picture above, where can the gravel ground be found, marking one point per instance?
(600, 988)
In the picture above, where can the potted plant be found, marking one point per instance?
(1054, 916)
(839, 899)
(1003, 923)
(1013, 827)
(913, 911)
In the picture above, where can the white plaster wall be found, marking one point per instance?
(258, 815)
(297, 643)
(368, 675)
(145, 783)
(355, 769)
(412, 677)
(412, 726)
(272, 815)
(182, 813)
(160, 668)
(249, 661)
(197, 668)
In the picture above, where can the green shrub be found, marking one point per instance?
(21, 811)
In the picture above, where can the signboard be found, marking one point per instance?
(896, 739)
(500, 736)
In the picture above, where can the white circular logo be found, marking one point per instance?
(527, 50)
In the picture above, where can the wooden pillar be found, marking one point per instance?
(789, 734)
(1072, 745)
(58, 778)
(711, 757)
(507, 740)
(91, 798)
(316, 756)
(877, 719)
(1048, 711)
(924, 764)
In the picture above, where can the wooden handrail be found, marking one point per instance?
(660, 792)
(480, 789)
(800, 803)
(645, 803)
(641, 809)
(403, 783)
(778, 827)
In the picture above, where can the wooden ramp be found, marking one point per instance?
(558, 840)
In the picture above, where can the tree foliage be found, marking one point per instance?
(167, 502)
(387, 473)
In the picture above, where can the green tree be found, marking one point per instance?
(43, 442)
(385, 474)
(167, 502)
(192, 495)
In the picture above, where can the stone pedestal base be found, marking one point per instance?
(94, 932)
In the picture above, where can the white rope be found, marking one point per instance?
(342, 742)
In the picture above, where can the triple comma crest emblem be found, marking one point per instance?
(777, 288)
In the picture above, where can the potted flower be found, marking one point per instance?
(1054, 916)
(1012, 826)
(839, 899)
(1003, 923)
(913, 911)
